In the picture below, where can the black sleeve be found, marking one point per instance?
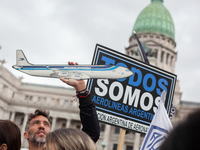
(89, 118)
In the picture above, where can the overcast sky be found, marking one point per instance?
(58, 31)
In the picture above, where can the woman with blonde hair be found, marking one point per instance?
(69, 139)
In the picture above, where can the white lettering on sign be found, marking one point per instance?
(146, 99)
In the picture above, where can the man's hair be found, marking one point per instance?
(38, 112)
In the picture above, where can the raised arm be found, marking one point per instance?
(88, 113)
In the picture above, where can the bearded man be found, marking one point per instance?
(37, 127)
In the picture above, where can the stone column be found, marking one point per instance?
(23, 127)
(68, 123)
(6, 114)
(53, 124)
(136, 141)
(12, 118)
(107, 136)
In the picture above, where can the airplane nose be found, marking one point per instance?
(129, 72)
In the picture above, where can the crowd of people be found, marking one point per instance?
(37, 132)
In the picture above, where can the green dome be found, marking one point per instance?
(155, 18)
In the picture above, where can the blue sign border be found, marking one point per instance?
(102, 49)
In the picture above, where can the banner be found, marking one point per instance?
(159, 128)
(134, 99)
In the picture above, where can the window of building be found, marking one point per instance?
(117, 130)
(132, 52)
(102, 127)
(28, 97)
(63, 125)
(171, 60)
(71, 103)
(22, 120)
(129, 147)
(154, 53)
(66, 102)
(167, 58)
(161, 58)
(130, 132)
(115, 146)
(149, 52)
(39, 99)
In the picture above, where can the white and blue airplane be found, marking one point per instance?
(77, 72)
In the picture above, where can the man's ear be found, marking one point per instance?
(26, 134)
(3, 146)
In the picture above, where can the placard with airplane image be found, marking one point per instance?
(130, 102)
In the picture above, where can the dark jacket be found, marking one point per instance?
(89, 117)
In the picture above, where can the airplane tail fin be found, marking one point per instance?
(21, 59)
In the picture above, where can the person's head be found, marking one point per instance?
(10, 136)
(69, 139)
(185, 136)
(38, 125)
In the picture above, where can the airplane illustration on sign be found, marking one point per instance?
(77, 72)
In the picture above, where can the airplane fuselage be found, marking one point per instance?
(76, 72)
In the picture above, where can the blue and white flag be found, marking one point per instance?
(159, 128)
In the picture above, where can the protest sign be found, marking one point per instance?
(129, 103)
